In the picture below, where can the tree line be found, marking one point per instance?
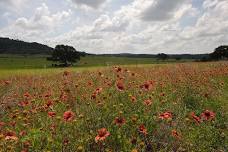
(220, 53)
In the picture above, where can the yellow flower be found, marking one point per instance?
(134, 150)
(80, 149)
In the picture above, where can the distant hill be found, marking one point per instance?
(9, 46)
(172, 56)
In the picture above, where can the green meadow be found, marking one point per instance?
(40, 62)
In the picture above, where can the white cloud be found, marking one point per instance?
(90, 3)
(160, 10)
(13, 5)
(141, 26)
(42, 23)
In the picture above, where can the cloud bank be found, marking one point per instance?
(114, 26)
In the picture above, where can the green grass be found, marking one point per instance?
(40, 62)
(23, 62)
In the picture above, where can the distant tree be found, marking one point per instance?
(220, 53)
(162, 56)
(178, 58)
(65, 55)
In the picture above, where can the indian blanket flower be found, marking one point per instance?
(51, 114)
(147, 85)
(102, 135)
(11, 136)
(175, 134)
(195, 118)
(120, 85)
(119, 121)
(2, 124)
(23, 133)
(142, 129)
(98, 90)
(26, 95)
(208, 115)
(7, 82)
(63, 96)
(66, 73)
(148, 102)
(165, 115)
(23, 103)
(118, 69)
(68, 116)
(133, 98)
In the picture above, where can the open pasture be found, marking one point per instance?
(172, 107)
(15, 62)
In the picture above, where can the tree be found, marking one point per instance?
(162, 56)
(65, 55)
(220, 53)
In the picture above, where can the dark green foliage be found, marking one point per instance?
(162, 56)
(9, 46)
(220, 53)
(65, 55)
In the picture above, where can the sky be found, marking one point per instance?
(119, 26)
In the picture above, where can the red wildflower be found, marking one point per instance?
(23, 133)
(119, 121)
(165, 115)
(68, 116)
(7, 82)
(142, 129)
(133, 98)
(66, 141)
(2, 124)
(51, 114)
(49, 103)
(175, 134)
(147, 85)
(23, 103)
(98, 90)
(102, 134)
(118, 69)
(208, 115)
(63, 96)
(27, 95)
(206, 95)
(162, 94)
(147, 102)
(66, 73)
(48, 94)
(11, 136)
(120, 85)
(196, 118)
(90, 83)
(94, 95)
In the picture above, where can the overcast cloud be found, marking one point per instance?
(117, 26)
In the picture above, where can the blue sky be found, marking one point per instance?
(119, 26)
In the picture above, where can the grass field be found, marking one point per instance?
(40, 62)
(137, 108)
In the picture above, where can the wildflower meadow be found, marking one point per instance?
(171, 107)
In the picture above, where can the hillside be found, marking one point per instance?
(9, 46)
(172, 56)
